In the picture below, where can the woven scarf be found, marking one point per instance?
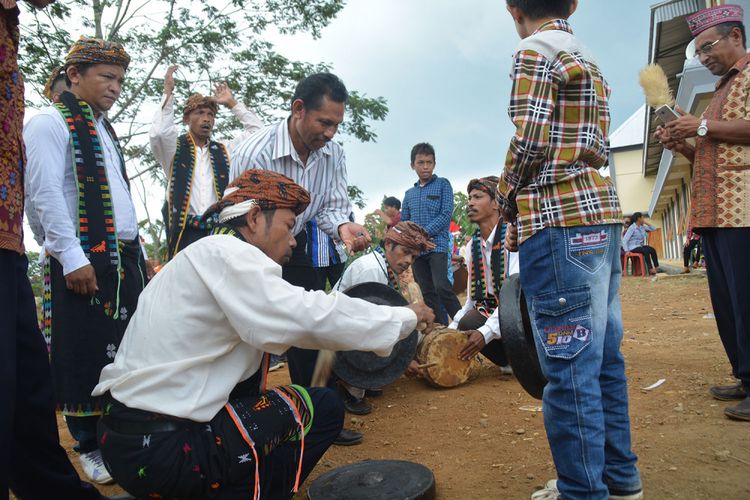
(181, 181)
(479, 291)
(392, 278)
(96, 220)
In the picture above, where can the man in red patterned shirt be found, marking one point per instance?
(32, 462)
(720, 211)
(569, 227)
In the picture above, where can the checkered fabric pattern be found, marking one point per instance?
(559, 105)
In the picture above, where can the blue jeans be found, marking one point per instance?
(571, 277)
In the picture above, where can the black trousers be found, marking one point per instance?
(215, 459)
(32, 463)
(431, 273)
(728, 270)
(301, 361)
(494, 351)
(686, 251)
(329, 275)
(649, 256)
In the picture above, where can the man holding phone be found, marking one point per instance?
(719, 210)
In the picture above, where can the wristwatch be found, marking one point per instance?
(703, 128)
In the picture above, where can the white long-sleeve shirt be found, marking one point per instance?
(163, 138)
(204, 321)
(636, 236)
(491, 328)
(52, 187)
(324, 174)
(370, 267)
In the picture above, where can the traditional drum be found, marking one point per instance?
(375, 480)
(438, 358)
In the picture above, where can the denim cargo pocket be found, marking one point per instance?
(563, 321)
(587, 248)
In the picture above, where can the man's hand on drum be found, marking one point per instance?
(474, 343)
(413, 370)
(355, 237)
(425, 316)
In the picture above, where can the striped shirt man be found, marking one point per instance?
(324, 174)
(321, 248)
(560, 110)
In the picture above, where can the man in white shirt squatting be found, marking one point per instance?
(197, 167)
(188, 413)
(488, 263)
(401, 245)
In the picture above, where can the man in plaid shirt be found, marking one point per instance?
(569, 230)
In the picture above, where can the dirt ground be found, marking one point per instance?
(486, 439)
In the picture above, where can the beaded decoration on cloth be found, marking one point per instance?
(479, 289)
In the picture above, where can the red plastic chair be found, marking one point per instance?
(635, 271)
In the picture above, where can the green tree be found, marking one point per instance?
(35, 274)
(461, 213)
(221, 40)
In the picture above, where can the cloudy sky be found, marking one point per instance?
(443, 67)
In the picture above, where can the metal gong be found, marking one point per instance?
(367, 370)
(375, 480)
(518, 338)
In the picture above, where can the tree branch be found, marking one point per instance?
(162, 56)
(98, 8)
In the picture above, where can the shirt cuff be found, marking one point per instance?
(72, 259)
(488, 334)
(239, 110)
(167, 104)
(408, 320)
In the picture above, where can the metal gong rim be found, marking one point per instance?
(518, 338)
(375, 480)
(367, 370)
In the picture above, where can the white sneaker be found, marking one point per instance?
(93, 467)
(549, 492)
(506, 370)
(276, 366)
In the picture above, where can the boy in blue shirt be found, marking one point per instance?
(430, 204)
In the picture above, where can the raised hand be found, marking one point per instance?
(224, 96)
(169, 83)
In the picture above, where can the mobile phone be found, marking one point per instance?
(666, 114)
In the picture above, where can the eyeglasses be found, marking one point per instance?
(707, 48)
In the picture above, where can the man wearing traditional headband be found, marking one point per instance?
(197, 167)
(188, 411)
(401, 245)
(719, 209)
(301, 148)
(488, 264)
(94, 270)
